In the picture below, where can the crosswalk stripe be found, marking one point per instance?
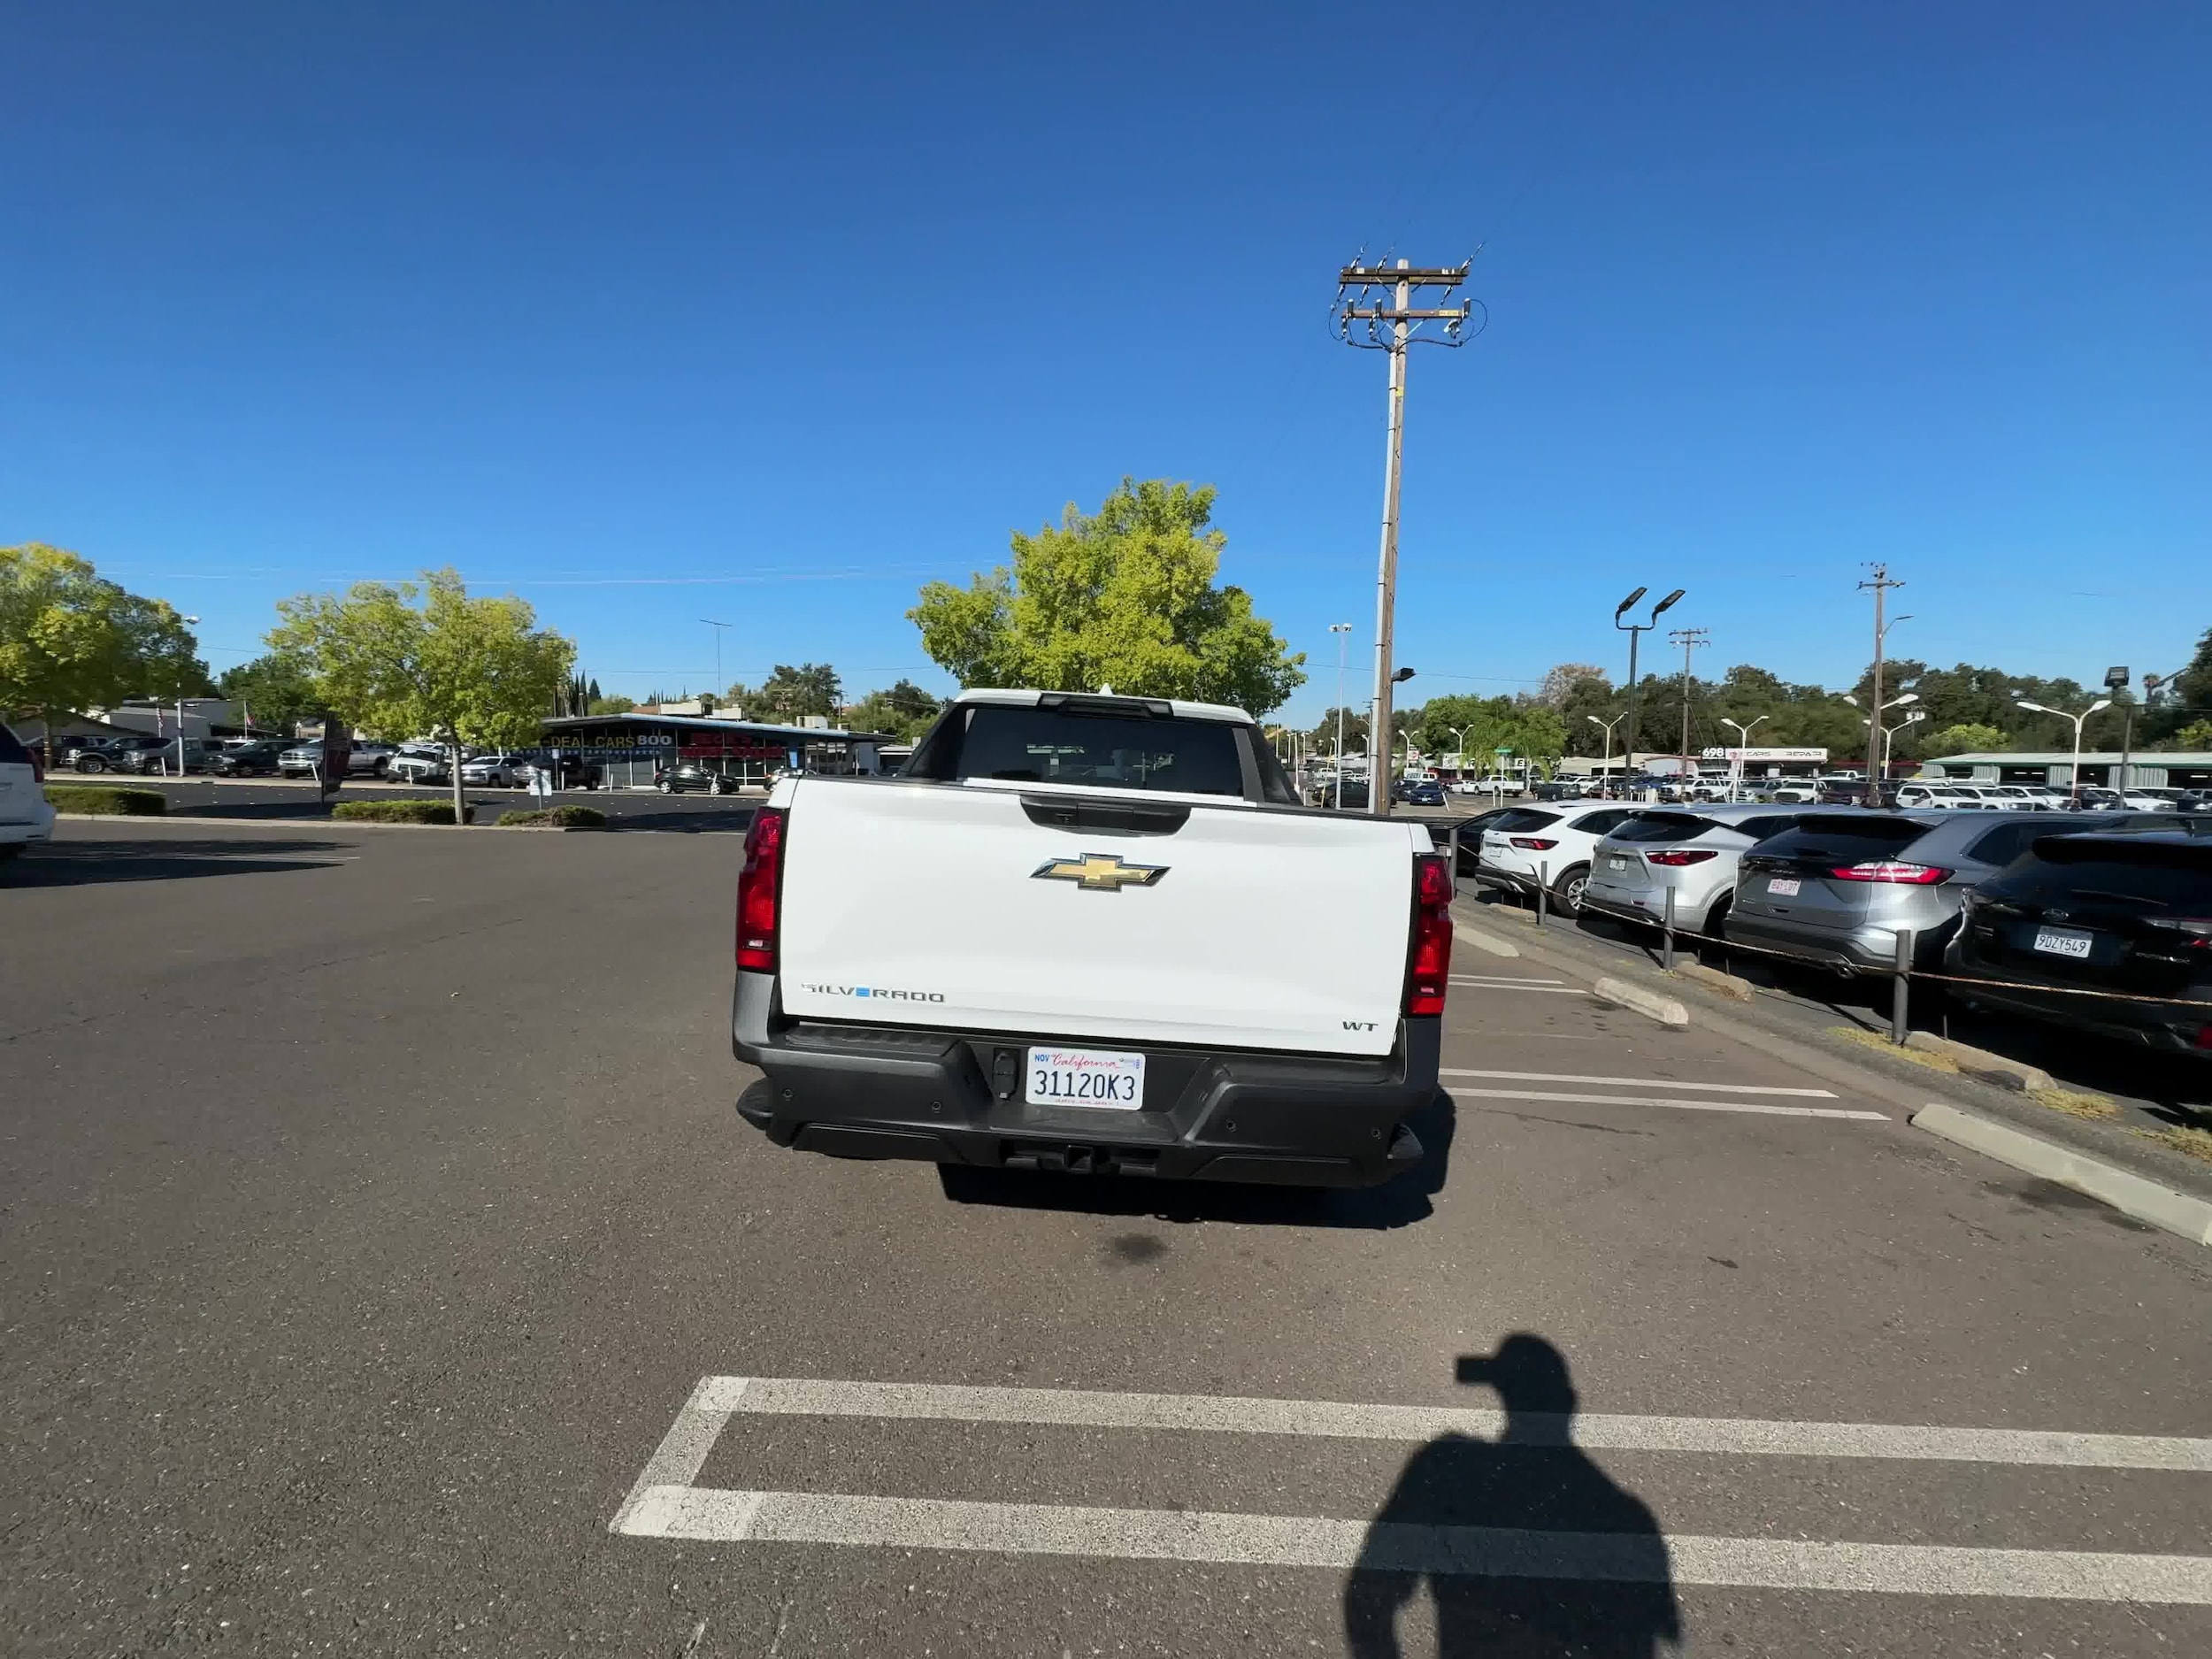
(801, 1397)
(1662, 1084)
(1069, 1530)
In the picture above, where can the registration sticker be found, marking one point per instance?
(1783, 887)
(1085, 1077)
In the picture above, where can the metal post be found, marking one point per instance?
(1900, 988)
(1451, 851)
(1387, 576)
(1666, 935)
(1543, 891)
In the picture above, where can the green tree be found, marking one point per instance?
(1125, 597)
(272, 690)
(789, 692)
(905, 711)
(403, 658)
(1968, 738)
(2195, 735)
(611, 705)
(71, 639)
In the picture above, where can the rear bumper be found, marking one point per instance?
(955, 1097)
(2171, 1027)
(1871, 949)
(37, 829)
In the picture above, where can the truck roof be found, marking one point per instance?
(1182, 709)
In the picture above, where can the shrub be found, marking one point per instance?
(404, 812)
(107, 800)
(555, 818)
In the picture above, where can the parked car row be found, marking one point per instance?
(2026, 907)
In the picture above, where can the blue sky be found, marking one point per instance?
(664, 313)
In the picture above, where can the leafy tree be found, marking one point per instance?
(789, 693)
(905, 711)
(272, 690)
(1125, 597)
(402, 658)
(610, 705)
(70, 639)
(1560, 680)
(2197, 736)
(1966, 739)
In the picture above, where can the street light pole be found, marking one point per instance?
(1634, 630)
(720, 628)
(1743, 742)
(2074, 789)
(1605, 766)
(1342, 630)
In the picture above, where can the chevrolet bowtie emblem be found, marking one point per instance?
(1098, 872)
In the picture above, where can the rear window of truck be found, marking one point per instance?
(12, 752)
(1008, 743)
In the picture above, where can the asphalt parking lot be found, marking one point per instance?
(282, 800)
(386, 1272)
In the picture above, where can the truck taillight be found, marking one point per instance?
(1429, 964)
(759, 886)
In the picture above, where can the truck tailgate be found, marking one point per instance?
(1022, 911)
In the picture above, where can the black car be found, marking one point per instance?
(1418, 792)
(116, 753)
(244, 760)
(2127, 913)
(1348, 794)
(691, 775)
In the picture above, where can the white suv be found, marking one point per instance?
(24, 815)
(1534, 847)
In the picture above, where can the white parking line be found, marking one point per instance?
(1522, 985)
(1502, 978)
(1638, 1082)
(1283, 1541)
(664, 1504)
(1338, 1419)
(1750, 1108)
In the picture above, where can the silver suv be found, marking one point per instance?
(1839, 889)
(1692, 851)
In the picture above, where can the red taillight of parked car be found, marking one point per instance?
(2195, 931)
(1675, 861)
(1534, 843)
(1429, 964)
(759, 886)
(1892, 871)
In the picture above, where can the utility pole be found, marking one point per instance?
(1881, 584)
(1689, 640)
(1390, 327)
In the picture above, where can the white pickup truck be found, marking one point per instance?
(1078, 933)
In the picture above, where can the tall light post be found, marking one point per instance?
(720, 628)
(1634, 630)
(1605, 766)
(194, 622)
(2074, 791)
(1743, 741)
(1342, 630)
(1889, 732)
(1880, 763)
(2114, 679)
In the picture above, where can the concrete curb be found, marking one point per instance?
(1980, 1063)
(1728, 985)
(1665, 1010)
(2130, 1193)
(1482, 941)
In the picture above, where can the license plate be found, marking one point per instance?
(1085, 1076)
(2060, 942)
(1783, 887)
(1617, 863)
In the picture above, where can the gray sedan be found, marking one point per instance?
(1840, 888)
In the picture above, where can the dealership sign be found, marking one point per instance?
(1819, 754)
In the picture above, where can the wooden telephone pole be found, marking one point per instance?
(1881, 584)
(1391, 326)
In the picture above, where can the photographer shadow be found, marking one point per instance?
(1528, 1549)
